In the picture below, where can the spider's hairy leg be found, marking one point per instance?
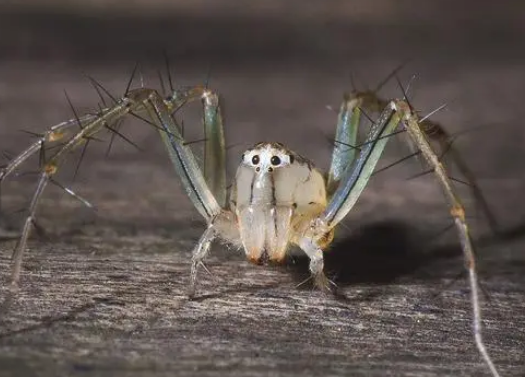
(315, 253)
(180, 153)
(369, 101)
(214, 147)
(457, 212)
(55, 134)
(345, 150)
(214, 150)
(67, 141)
(224, 225)
(20, 247)
(357, 174)
(198, 254)
(197, 186)
(69, 135)
(65, 137)
(445, 142)
(318, 232)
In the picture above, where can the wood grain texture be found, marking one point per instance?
(119, 312)
(104, 294)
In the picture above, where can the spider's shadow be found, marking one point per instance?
(378, 254)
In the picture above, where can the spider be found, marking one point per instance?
(278, 199)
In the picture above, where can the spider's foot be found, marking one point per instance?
(193, 279)
(13, 287)
(11, 293)
(324, 284)
(191, 291)
(203, 266)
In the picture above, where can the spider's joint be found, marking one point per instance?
(138, 95)
(457, 211)
(393, 105)
(206, 94)
(209, 97)
(55, 135)
(50, 169)
(355, 102)
(320, 231)
(403, 108)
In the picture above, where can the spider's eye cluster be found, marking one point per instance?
(275, 160)
(267, 158)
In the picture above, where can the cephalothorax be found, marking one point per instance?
(277, 199)
(275, 194)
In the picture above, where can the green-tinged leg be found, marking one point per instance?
(182, 157)
(457, 211)
(215, 148)
(345, 150)
(214, 140)
(355, 178)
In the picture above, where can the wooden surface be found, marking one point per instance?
(103, 294)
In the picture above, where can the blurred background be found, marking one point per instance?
(281, 68)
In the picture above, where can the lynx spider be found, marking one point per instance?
(277, 198)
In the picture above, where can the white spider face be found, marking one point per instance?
(275, 193)
(265, 157)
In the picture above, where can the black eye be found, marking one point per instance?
(255, 159)
(275, 160)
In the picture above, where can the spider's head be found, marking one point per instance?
(265, 157)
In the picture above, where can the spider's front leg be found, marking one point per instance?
(206, 190)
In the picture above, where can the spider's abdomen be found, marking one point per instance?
(273, 202)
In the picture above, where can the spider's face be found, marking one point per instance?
(265, 157)
(274, 191)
